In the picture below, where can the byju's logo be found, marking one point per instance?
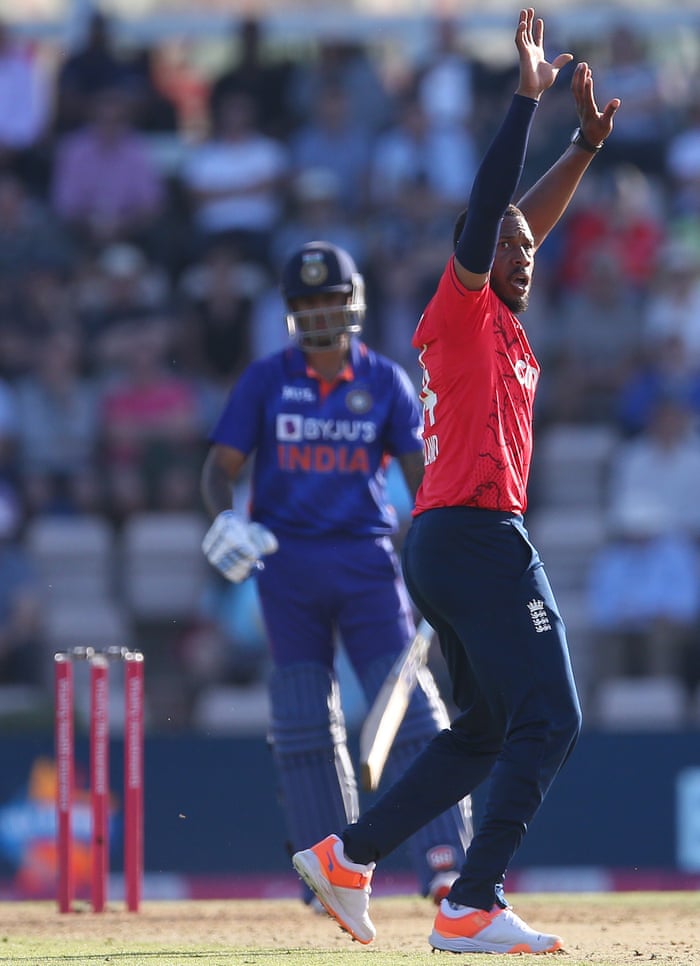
(292, 428)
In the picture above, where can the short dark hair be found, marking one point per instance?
(462, 217)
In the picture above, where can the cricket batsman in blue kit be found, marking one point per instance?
(321, 419)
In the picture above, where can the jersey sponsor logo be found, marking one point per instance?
(525, 373)
(294, 428)
(539, 616)
(431, 449)
(298, 394)
(429, 400)
(427, 397)
(359, 401)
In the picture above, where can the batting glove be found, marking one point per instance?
(234, 546)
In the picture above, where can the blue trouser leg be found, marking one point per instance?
(477, 578)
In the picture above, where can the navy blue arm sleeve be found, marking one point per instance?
(494, 187)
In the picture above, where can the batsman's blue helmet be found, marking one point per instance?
(320, 268)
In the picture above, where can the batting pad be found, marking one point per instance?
(316, 778)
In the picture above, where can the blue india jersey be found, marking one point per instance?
(321, 450)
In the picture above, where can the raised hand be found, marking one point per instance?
(595, 125)
(536, 73)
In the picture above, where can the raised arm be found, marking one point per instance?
(501, 167)
(547, 200)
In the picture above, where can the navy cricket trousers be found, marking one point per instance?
(479, 581)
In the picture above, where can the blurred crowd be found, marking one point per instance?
(146, 208)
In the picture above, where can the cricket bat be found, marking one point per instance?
(387, 712)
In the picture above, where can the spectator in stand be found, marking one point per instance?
(419, 156)
(597, 343)
(105, 186)
(154, 109)
(622, 212)
(9, 432)
(265, 80)
(335, 139)
(267, 335)
(673, 308)
(644, 596)
(94, 66)
(181, 80)
(316, 211)
(217, 296)
(665, 369)
(24, 107)
(420, 172)
(345, 65)
(235, 182)
(46, 292)
(58, 429)
(445, 82)
(683, 162)
(151, 423)
(634, 75)
(661, 465)
(22, 655)
(121, 283)
(406, 286)
(36, 296)
(17, 345)
(30, 233)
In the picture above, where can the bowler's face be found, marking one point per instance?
(511, 274)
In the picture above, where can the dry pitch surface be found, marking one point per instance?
(604, 930)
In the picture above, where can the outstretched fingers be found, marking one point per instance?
(530, 31)
(536, 72)
(595, 124)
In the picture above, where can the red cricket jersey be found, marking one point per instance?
(479, 381)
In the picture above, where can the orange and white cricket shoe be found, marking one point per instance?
(463, 929)
(343, 887)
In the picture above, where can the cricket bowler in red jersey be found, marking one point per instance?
(467, 559)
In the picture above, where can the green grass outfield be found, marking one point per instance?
(616, 929)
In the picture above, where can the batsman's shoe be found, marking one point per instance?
(463, 929)
(342, 886)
